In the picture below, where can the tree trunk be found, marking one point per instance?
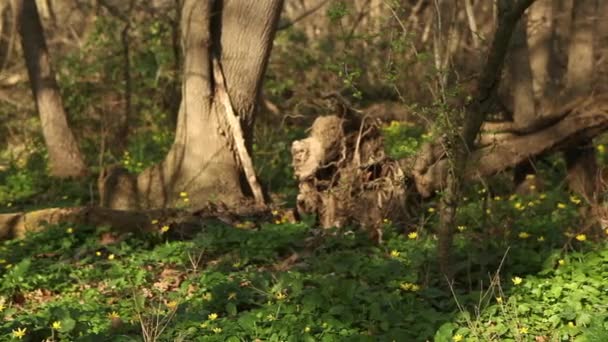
(65, 158)
(524, 107)
(540, 40)
(580, 160)
(203, 161)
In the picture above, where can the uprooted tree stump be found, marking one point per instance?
(345, 177)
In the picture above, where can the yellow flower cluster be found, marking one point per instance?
(405, 286)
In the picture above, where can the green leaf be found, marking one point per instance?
(231, 309)
(67, 324)
(444, 333)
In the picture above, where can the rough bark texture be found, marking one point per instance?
(65, 158)
(202, 161)
(580, 160)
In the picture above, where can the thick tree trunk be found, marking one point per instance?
(580, 160)
(65, 158)
(203, 161)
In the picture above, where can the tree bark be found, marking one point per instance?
(540, 36)
(580, 160)
(203, 161)
(524, 108)
(65, 158)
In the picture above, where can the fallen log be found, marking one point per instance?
(498, 152)
(182, 222)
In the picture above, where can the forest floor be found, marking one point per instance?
(524, 273)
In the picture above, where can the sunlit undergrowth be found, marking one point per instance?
(286, 282)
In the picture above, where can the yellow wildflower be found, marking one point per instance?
(2, 306)
(405, 286)
(457, 338)
(571, 324)
(232, 295)
(113, 315)
(212, 316)
(530, 176)
(186, 200)
(19, 333)
(488, 211)
(561, 205)
(217, 330)
(499, 300)
(98, 253)
(497, 198)
(56, 325)
(601, 148)
(155, 221)
(461, 228)
(524, 235)
(581, 237)
(70, 230)
(412, 235)
(280, 296)
(532, 187)
(575, 199)
(183, 194)
(395, 253)
(164, 229)
(111, 257)
(386, 221)
(540, 239)
(523, 330)
(204, 325)
(531, 204)
(172, 304)
(561, 262)
(518, 206)
(431, 210)
(307, 329)
(516, 280)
